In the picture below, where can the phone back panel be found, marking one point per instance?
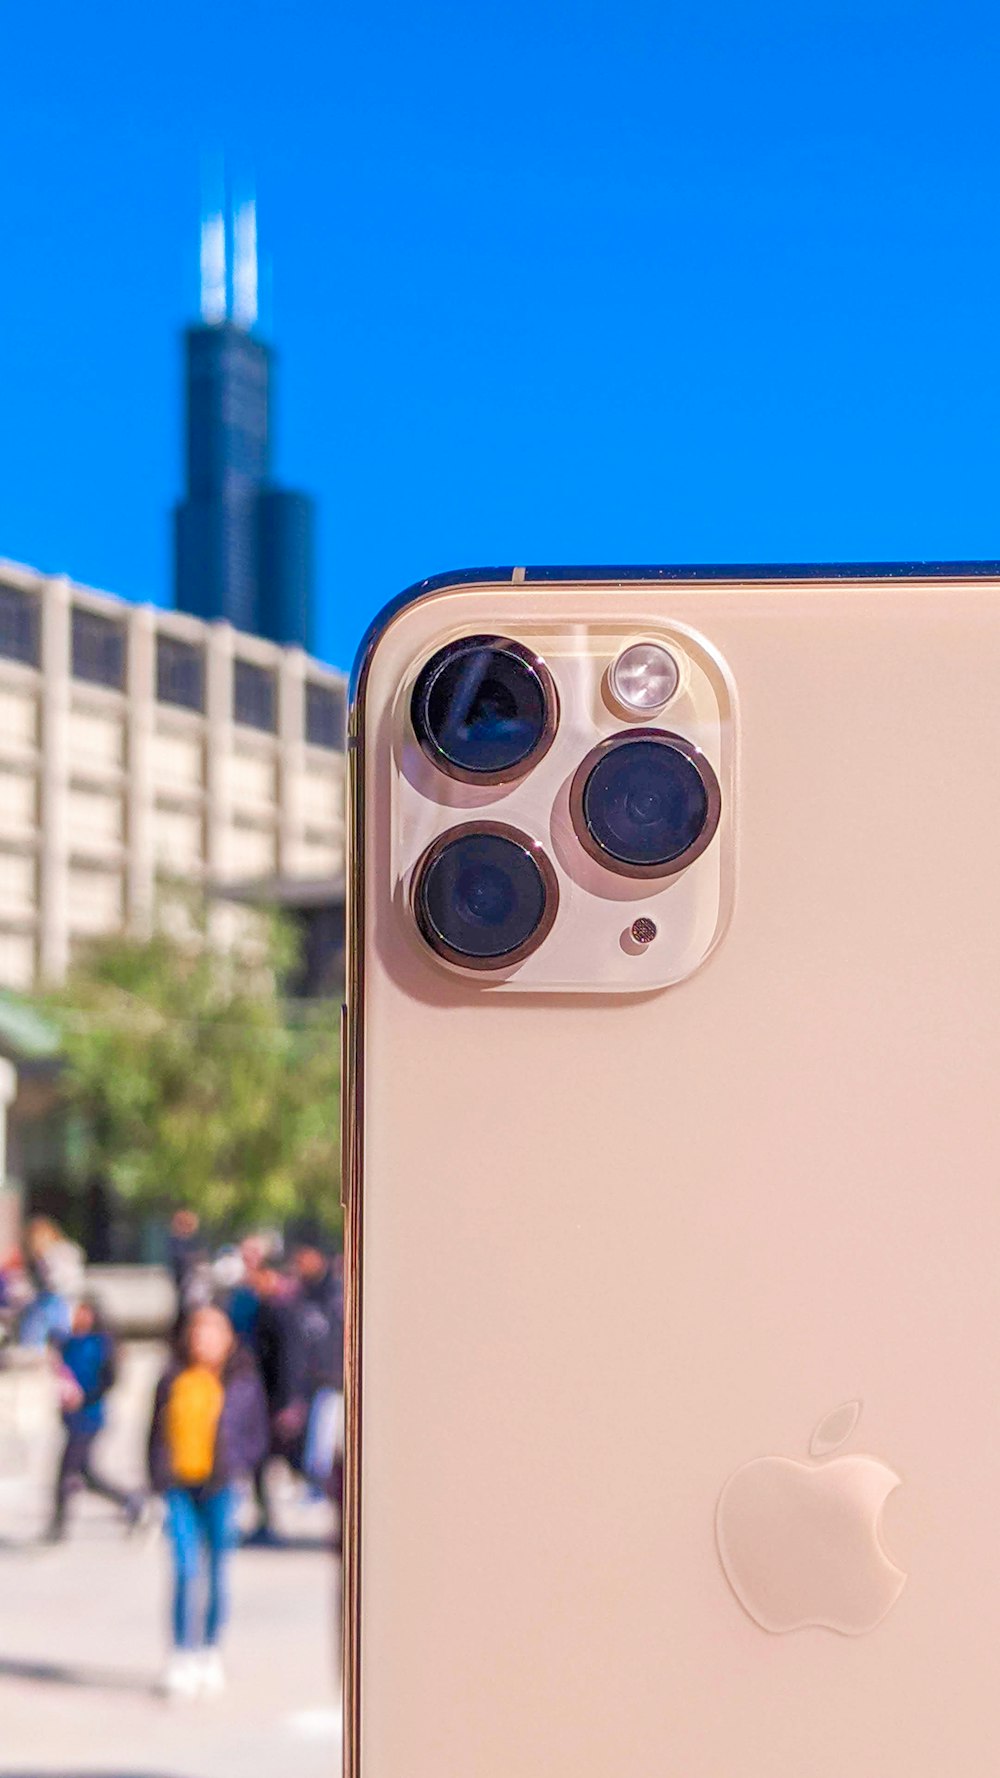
(607, 1252)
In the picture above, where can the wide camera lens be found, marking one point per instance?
(646, 803)
(485, 897)
(484, 709)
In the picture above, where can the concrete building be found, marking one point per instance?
(140, 745)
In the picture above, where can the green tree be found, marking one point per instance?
(197, 1084)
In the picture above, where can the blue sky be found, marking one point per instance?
(587, 282)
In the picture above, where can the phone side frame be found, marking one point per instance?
(352, 1151)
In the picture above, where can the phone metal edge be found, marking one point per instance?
(352, 1103)
(733, 572)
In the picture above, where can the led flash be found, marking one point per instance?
(644, 677)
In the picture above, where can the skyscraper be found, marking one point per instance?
(243, 546)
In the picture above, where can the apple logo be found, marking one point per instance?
(800, 1542)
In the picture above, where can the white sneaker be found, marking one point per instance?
(211, 1673)
(182, 1677)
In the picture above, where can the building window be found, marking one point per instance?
(324, 715)
(19, 626)
(98, 648)
(180, 673)
(254, 696)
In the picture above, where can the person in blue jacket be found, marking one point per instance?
(87, 1366)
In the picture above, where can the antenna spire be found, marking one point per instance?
(245, 264)
(229, 280)
(213, 268)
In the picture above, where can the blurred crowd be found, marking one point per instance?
(254, 1377)
(287, 1311)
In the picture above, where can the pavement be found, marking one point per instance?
(83, 1632)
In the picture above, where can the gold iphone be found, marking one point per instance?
(673, 1177)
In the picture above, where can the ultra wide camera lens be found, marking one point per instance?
(484, 709)
(485, 897)
(645, 804)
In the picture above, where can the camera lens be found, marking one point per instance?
(645, 804)
(483, 708)
(485, 897)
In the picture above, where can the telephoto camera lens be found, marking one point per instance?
(646, 803)
(484, 709)
(485, 897)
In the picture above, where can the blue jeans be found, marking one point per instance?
(200, 1525)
